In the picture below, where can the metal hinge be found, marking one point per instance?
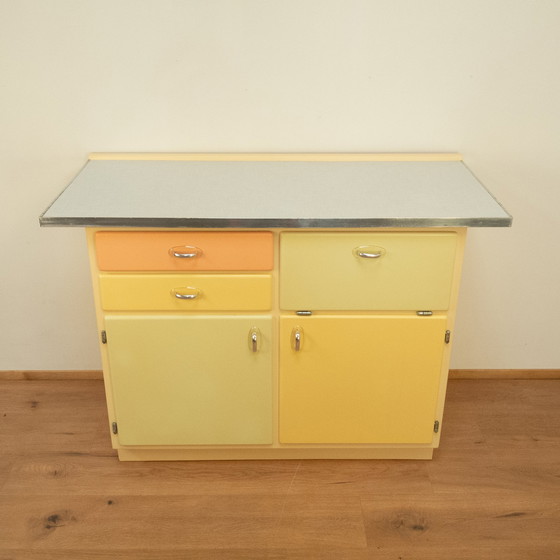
(425, 313)
(103, 337)
(447, 337)
(114, 428)
(436, 426)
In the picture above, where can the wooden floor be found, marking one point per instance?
(491, 492)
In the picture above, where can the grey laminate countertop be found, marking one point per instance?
(268, 194)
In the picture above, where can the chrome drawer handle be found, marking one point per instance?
(369, 252)
(186, 293)
(254, 339)
(185, 252)
(297, 338)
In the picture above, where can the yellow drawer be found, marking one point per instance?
(185, 292)
(366, 271)
(183, 250)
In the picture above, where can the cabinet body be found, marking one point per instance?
(275, 343)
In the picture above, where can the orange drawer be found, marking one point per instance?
(183, 250)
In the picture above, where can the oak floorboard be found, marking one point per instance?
(53, 417)
(492, 490)
(502, 414)
(506, 552)
(92, 475)
(361, 478)
(7, 462)
(506, 470)
(321, 522)
(181, 522)
(416, 525)
(176, 522)
(199, 554)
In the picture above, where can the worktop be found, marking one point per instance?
(275, 194)
(275, 306)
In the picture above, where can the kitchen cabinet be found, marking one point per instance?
(287, 306)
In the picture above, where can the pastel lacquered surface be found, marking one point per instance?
(155, 250)
(396, 271)
(360, 379)
(180, 380)
(185, 292)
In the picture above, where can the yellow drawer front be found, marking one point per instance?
(368, 271)
(185, 292)
(360, 379)
(191, 380)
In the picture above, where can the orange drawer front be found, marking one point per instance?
(183, 250)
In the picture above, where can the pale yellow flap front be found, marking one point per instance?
(366, 271)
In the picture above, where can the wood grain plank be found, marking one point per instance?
(416, 525)
(6, 464)
(502, 414)
(361, 477)
(321, 522)
(132, 522)
(73, 475)
(48, 417)
(196, 554)
(499, 472)
(509, 552)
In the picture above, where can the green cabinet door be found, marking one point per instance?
(191, 380)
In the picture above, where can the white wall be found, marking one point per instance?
(473, 76)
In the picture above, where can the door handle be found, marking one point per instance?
(254, 339)
(297, 339)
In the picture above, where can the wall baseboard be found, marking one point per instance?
(504, 374)
(58, 375)
(50, 374)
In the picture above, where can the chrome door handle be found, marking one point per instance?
(254, 339)
(185, 252)
(297, 338)
(186, 293)
(369, 252)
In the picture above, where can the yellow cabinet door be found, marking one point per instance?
(366, 271)
(360, 379)
(180, 380)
